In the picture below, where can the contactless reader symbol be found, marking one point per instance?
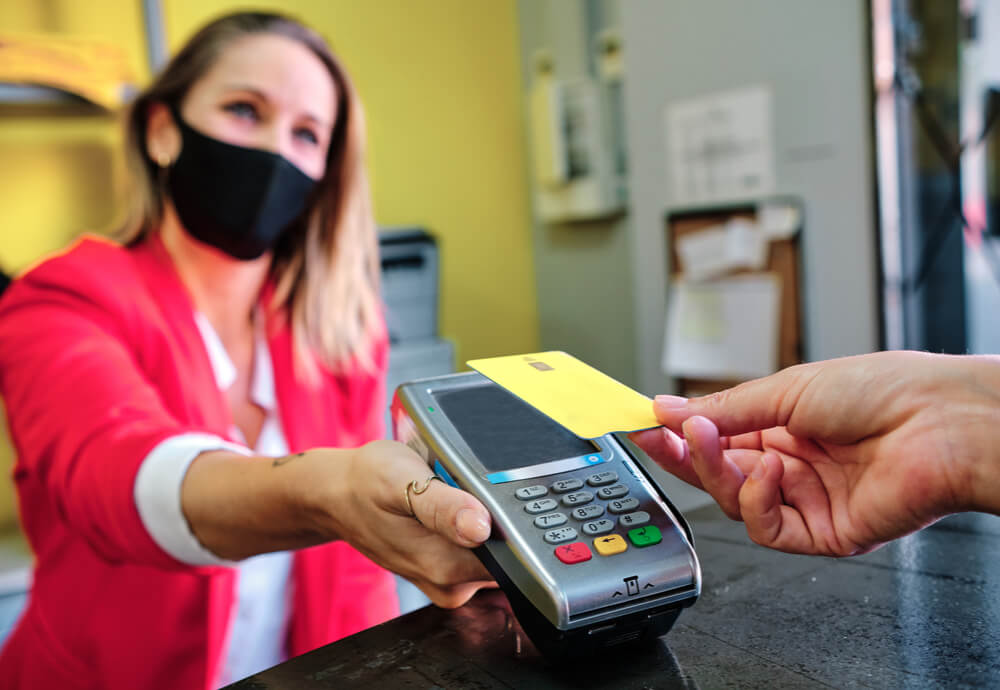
(632, 585)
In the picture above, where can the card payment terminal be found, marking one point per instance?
(585, 544)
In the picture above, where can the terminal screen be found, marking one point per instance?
(506, 433)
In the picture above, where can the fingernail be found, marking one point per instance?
(759, 469)
(471, 525)
(687, 427)
(694, 449)
(671, 401)
(689, 438)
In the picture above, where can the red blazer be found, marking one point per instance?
(100, 360)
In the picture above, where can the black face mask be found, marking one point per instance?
(239, 200)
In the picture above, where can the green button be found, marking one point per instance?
(645, 536)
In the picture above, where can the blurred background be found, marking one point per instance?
(682, 193)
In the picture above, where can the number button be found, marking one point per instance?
(558, 536)
(577, 552)
(639, 517)
(564, 485)
(602, 478)
(588, 512)
(526, 493)
(598, 527)
(616, 491)
(550, 520)
(542, 505)
(623, 505)
(578, 498)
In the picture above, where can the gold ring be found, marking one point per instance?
(417, 488)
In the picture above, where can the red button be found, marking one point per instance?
(577, 552)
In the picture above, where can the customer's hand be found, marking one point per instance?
(839, 457)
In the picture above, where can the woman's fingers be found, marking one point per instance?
(416, 525)
(403, 484)
(452, 513)
(454, 596)
(433, 559)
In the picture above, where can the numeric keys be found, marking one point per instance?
(588, 512)
(609, 492)
(564, 485)
(577, 498)
(542, 505)
(623, 505)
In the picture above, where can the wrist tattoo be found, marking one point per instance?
(278, 462)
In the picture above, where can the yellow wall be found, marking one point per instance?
(58, 165)
(440, 81)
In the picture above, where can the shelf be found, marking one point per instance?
(24, 94)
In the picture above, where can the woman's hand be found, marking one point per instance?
(239, 507)
(839, 457)
(433, 552)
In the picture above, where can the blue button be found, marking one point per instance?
(593, 459)
(441, 472)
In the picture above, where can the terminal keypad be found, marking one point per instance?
(597, 519)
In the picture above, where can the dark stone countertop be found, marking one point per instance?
(922, 612)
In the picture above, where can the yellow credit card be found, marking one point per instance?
(579, 397)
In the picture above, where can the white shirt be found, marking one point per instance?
(258, 626)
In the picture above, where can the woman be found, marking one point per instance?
(163, 395)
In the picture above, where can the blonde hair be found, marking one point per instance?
(325, 269)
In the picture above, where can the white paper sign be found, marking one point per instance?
(703, 254)
(779, 221)
(720, 147)
(746, 246)
(723, 329)
(714, 251)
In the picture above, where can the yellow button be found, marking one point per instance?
(610, 545)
